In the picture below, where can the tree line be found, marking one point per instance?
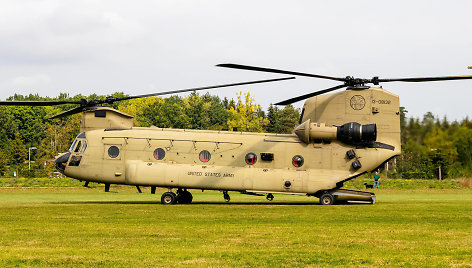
(429, 144)
(433, 147)
(27, 132)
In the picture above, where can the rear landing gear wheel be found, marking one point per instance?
(326, 199)
(184, 197)
(270, 197)
(168, 198)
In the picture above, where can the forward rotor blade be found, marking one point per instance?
(269, 70)
(309, 95)
(426, 79)
(69, 112)
(37, 103)
(200, 88)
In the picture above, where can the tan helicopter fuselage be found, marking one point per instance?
(313, 159)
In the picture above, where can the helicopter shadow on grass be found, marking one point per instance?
(202, 203)
(267, 203)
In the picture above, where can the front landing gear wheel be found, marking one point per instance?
(168, 198)
(326, 199)
(270, 197)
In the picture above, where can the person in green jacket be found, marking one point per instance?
(376, 179)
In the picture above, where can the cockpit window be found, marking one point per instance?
(77, 148)
(73, 145)
(84, 146)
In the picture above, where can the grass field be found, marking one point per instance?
(357, 183)
(87, 227)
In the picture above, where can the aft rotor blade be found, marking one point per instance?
(426, 79)
(200, 88)
(69, 112)
(309, 95)
(269, 70)
(37, 103)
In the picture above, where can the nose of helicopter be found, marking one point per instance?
(61, 161)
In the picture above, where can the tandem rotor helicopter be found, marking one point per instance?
(341, 136)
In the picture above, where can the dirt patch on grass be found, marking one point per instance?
(465, 182)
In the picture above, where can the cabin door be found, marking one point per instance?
(114, 161)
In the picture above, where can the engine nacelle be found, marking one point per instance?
(349, 133)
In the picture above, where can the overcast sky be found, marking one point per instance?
(140, 47)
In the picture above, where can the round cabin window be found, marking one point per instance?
(204, 156)
(251, 158)
(298, 161)
(159, 154)
(113, 151)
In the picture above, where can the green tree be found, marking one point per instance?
(18, 151)
(413, 162)
(217, 112)
(196, 110)
(441, 150)
(137, 108)
(273, 116)
(282, 120)
(3, 163)
(288, 117)
(8, 126)
(168, 113)
(246, 116)
(462, 141)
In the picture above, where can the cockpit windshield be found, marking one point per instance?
(73, 145)
(79, 144)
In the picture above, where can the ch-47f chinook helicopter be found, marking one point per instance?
(341, 136)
